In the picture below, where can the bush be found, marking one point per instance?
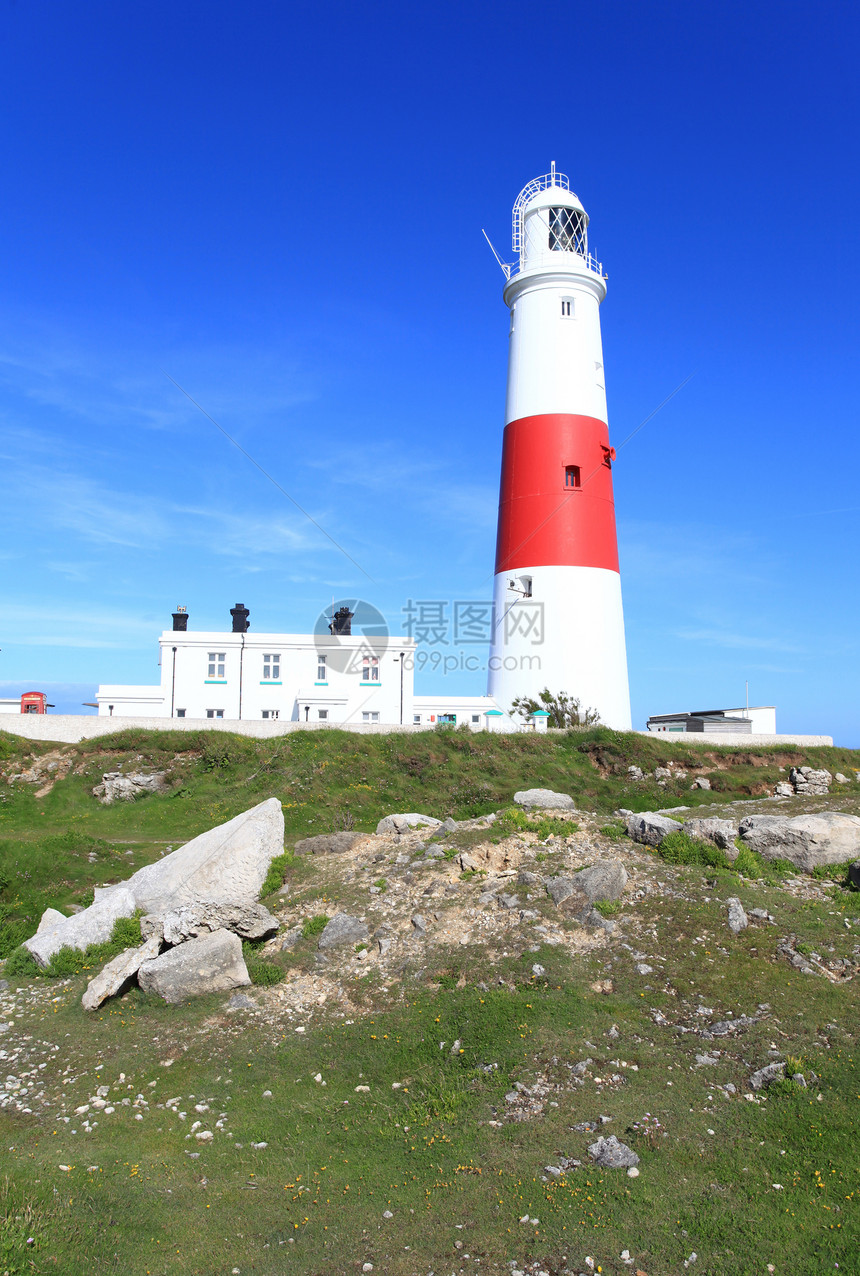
(608, 907)
(277, 873)
(21, 965)
(314, 925)
(680, 848)
(515, 820)
(613, 830)
(265, 973)
(747, 864)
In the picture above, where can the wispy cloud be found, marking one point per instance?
(748, 642)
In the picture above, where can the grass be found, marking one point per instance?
(515, 820)
(73, 961)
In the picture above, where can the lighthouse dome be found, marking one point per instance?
(550, 226)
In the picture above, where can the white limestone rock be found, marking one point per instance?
(544, 800)
(403, 823)
(210, 963)
(92, 926)
(118, 973)
(116, 787)
(226, 865)
(50, 918)
(721, 832)
(248, 921)
(649, 828)
(808, 841)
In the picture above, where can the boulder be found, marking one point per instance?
(854, 875)
(226, 865)
(807, 780)
(119, 973)
(116, 787)
(738, 920)
(784, 789)
(448, 826)
(841, 779)
(93, 926)
(343, 929)
(403, 823)
(662, 773)
(721, 832)
(327, 843)
(604, 880)
(544, 800)
(50, 918)
(636, 773)
(210, 963)
(612, 1154)
(808, 841)
(649, 828)
(771, 1072)
(701, 782)
(248, 921)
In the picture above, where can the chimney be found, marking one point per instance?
(180, 620)
(240, 616)
(341, 623)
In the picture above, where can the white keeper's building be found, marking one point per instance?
(330, 678)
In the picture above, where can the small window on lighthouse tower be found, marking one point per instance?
(567, 311)
(572, 477)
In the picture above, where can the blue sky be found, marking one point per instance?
(281, 206)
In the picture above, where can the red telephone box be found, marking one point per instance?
(34, 702)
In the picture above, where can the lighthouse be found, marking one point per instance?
(558, 620)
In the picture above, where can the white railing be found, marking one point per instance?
(546, 261)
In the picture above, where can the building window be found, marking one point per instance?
(416, 719)
(370, 669)
(180, 713)
(322, 671)
(214, 713)
(271, 667)
(216, 664)
(323, 714)
(476, 717)
(567, 308)
(572, 477)
(567, 230)
(271, 713)
(370, 717)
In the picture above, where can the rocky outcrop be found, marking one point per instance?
(116, 787)
(806, 780)
(343, 929)
(649, 828)
(248, 921)
(611, 1154)
(93, 926)
(119, 973)
(210, 963)
(327, 843)
(576, 894)
(403, 823)
(808, 841)
(544, 800)
(721, 832)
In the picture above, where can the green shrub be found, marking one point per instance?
(265, 973)
(613, 830)
(680, 848)
(448, 981)
(21, 965)
(314, 925)
(608, 907)
(748, 864)
(277, 873)
(515, 820)
(381, 884)
(72, 961)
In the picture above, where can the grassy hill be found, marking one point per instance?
(402, 1111)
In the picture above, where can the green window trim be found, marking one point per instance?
(271, 682)
(215, 682)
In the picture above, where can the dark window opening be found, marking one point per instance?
(180, 713)
(572, 477)
(566, 308)
(567, 230)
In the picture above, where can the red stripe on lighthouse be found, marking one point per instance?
(543, 520)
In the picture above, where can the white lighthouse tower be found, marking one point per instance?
(558, 619)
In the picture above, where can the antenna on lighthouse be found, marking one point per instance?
(506, 270)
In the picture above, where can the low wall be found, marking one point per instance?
(70, 728)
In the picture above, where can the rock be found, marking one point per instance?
(50, 918)
(662, 773)
(119, 972)
(649, 828)
(116, 787)
(854, 875)
(762, 915)
(226, 865)
(403, 823)
(642, 968)
(721, 832)
(604, 880)
(762, 1079)
(636, 773)
(806, 780)
(560, 889)
(467, 862)
(701, 782)
(249, 921)
(327, 843)
(784, 789)
(93, 926)
(738, 920)
(808, 841)
(449, 826)
(210, 963)
(343, 929)
(419, 923)
(241, 1001)
(509, 901)
(291, 938)
(612, 1155)
(841, 779)
(545, 800)
(525, 878)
